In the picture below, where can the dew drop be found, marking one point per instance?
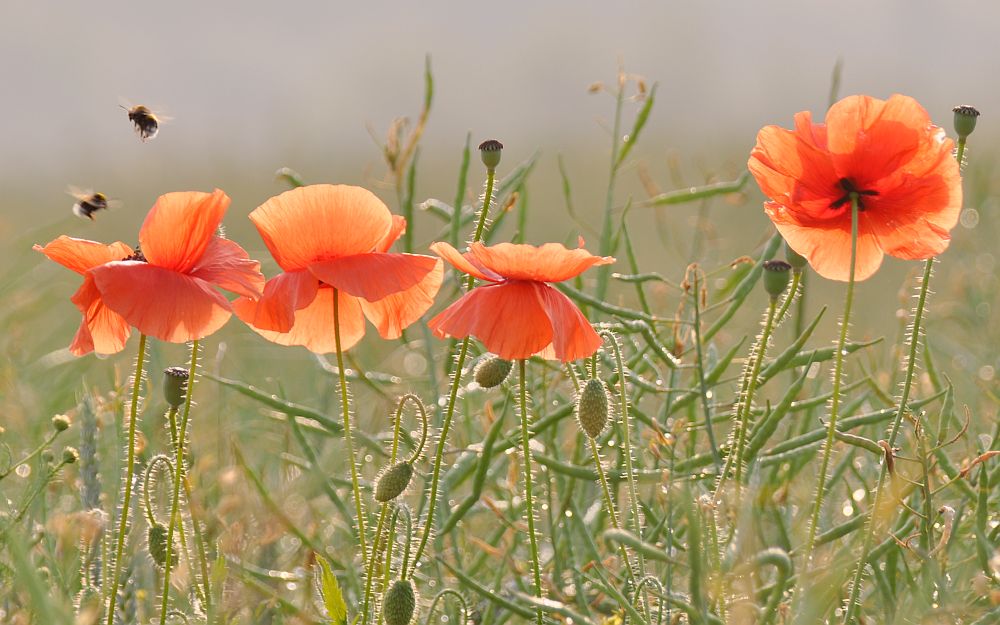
(23, 470)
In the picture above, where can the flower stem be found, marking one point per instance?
(179, 476)
(610, 504)
(703, 389)
(346, 409)
(112, 591)
(528, 497)
(746, 405)
(838, 371)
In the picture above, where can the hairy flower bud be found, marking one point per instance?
(796, 260)
(399, 603)
(491, 372)
(156, 544)
(393, 481)
(592, 407)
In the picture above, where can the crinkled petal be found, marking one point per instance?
(396, 230)
(392, 314)
(283, 295)
(180, 227)
(551, 262)
(321, 222)
(572, 335)
(508, 318)
(81, 254)
(827, 245)
(374, 276)
(466, 263)
(161, 303)
(313, 326)
(227, 265)
(102, 330)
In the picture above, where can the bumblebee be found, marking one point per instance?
(147, 123)
(89, 202)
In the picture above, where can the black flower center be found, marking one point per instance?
(136, 255)
(851, 191)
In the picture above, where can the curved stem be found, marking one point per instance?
(610, 505)
(838, 370)
(747, 404)
(112, 592)
(529, 505)
(178, 477)
(346, 410)
(32, 454)
(370, 568)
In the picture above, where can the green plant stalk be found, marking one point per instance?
(703, 388)
(370, 569)
(346, 411)
(42, 483)
(32, 454)
(456, 384)
(604, 273)
(747, 404)
(111, 593)
(610, 504)
(838, 378)
(536, 568)
(178, 477)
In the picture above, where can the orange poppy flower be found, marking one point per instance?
(165, 287)
(519, 315)
(887, 152)
(336, 236)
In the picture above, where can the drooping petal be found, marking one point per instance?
(313, 327)
(180, 227)
(572, 335)
(102, 330)
(508, 318)
(321, 222)
(283, 295)
(374, 276)
(392, 314)
(827, 245)
(227, 265)
(162, 303)
(466, 263)
(396, 230)
(551, 262)
(81, 254)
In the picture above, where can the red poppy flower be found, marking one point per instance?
(166, 287)
(336, 236)
(518, 315)
(887, 152)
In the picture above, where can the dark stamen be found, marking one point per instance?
(136, 255)
(851, 191)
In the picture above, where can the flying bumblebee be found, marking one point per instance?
(89, 202)
(146, 122)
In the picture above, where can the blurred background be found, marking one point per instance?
(314, 85)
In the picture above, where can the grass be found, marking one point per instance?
(271, 490)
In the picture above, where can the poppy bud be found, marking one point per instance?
(399, 603)
(491, 372)
(489, 151)
(175, 380)
(393, 481)
(592, 407)
(70, 455)
(965, 120)
(776, 277)
(156, 544)
(60, 423)
(796, 260)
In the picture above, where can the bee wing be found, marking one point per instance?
(78, 193)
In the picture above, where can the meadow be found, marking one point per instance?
(718, 447)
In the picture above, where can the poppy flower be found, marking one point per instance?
(165, 288)
(518, 314)
(888, 155)
(328, 237)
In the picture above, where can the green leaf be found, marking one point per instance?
(333, 599)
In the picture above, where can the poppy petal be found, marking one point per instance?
(828, 248)
(161, 303)
(466, 263)
(551, 262)
(102, 330)
(573, 336)
(313, 327)
(390, 315)
(913, 221)
(321, 222)
(180, 227)
(283, 295)
(396, 230)
(81, 254)
(374, 276)
(227, 265)
(508, 318)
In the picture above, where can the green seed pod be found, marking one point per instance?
(776, 277)
(393, 481)
(490, 150)
(399, 603)
(60, 423)
(965, 120)
(491, 372)
(175, 381)
(156, 544)
(592, 407)
(796, 260)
